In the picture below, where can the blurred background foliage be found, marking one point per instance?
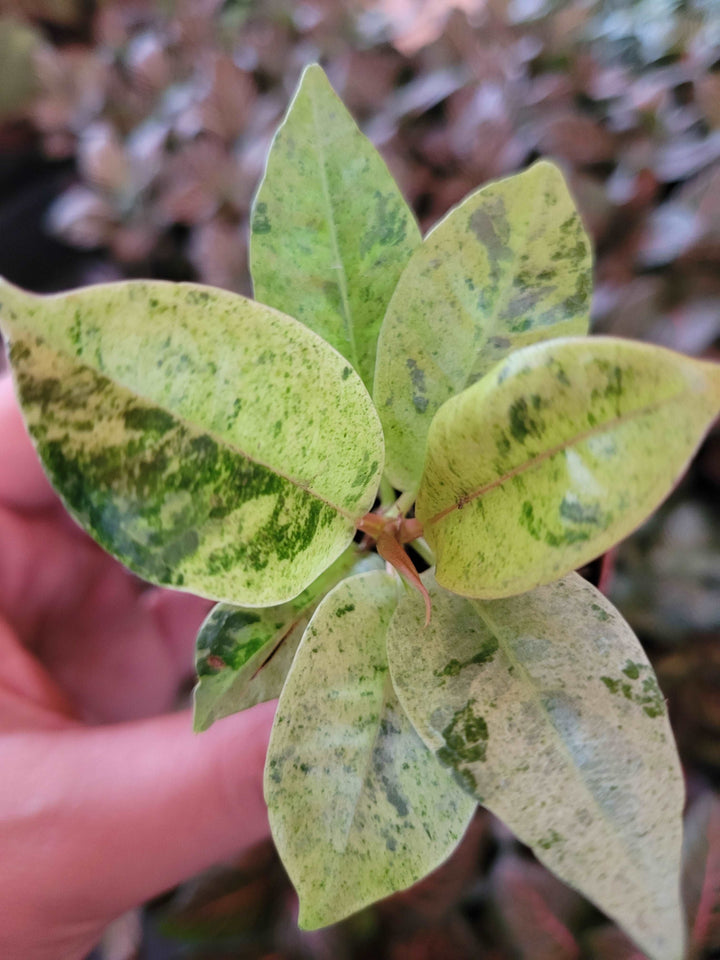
(132, 137)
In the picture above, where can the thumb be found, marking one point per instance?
(94, 821)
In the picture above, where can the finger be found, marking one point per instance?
(122, 813)
(23, 485)
(126, 655)
(40, 559)
(29, 697)
(119, 651)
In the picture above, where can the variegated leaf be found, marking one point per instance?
(243, 654)
(330, 230)
(559, 452)
(209, 442)
(548, 712)
(359, 807)
(507, 267)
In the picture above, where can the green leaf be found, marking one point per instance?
(358, 806)
(243, 654)
(559, 452)
(330, 230)
(208, 442)
(507, 267)
(548, 712)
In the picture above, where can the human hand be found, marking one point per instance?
(103, 804)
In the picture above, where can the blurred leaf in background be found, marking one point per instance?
(18, 82)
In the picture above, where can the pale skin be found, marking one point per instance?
(106, 797)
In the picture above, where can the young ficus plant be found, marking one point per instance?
(217, 445)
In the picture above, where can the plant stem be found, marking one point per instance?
(422, 547)
(387, 494)
(402, 504)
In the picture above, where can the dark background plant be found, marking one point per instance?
(132, 147)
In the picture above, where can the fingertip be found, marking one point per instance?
(149, 804)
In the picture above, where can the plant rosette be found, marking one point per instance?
(231, 448)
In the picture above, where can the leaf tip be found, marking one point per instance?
(199, 725)
(314, 73)
(547, 167)
(200, 719)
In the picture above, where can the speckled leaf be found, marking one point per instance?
(243, 654)
(555, 455)
(509, 266)
(330, 231)
(547, 710)
(359, 807)
(209, 442)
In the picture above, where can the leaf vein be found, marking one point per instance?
(197, 428)
(547, 454)
(338, 266)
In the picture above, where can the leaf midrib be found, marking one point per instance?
(340, 268)
(195, 428)
(383, 702)
(530, 684)
(552, 451)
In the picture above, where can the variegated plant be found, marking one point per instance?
(217, 445)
